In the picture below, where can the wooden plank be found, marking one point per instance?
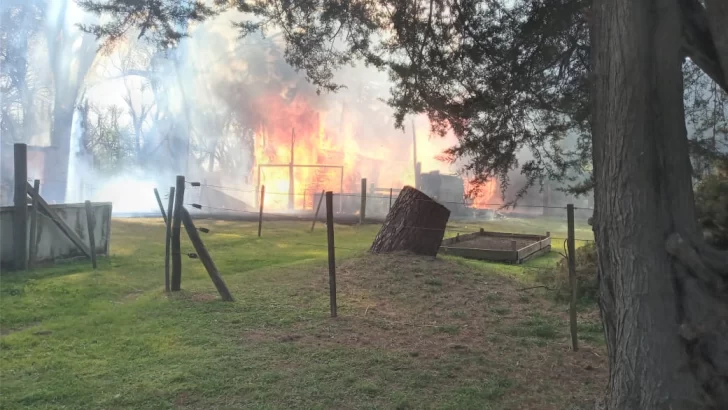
(332, 249)
(179, 197)
(20, 213)
(46, 209)
(572, 275)
(318, 207)
(168, 239)
(512, 235)
(33, 239)
(460, 238)
(538, 253)
(524, 252)
(482, 254)
(204, 256)
(161, 207)
(90, 225)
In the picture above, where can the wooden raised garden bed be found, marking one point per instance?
(497, 246)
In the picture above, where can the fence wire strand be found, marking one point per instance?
(375, 196)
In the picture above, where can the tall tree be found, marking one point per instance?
(506, 75)
(661, 287)
(71, 54)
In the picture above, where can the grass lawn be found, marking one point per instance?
(412, 332)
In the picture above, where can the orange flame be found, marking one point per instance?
(321, 137)
(486, 197)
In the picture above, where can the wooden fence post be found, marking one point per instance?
(168, 238)
(179, 197)
(332, 257)
(91, 225)
(204, 256)
(161, 207)
(572, 275)
(318, 207)
(363, 207)
(260, 215)
(33, 240)
(20, 215)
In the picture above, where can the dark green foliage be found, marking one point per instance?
(504, 76)
(711, 202)
(161, 21)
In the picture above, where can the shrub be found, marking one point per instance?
(586, 276)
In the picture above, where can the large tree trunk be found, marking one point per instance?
(661, 294)
(416, 223)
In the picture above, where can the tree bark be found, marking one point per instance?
(416, 223)
(661, 289)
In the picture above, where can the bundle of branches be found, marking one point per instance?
(557, 278)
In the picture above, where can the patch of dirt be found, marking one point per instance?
(181, 399)
(8, 331)
(437, 309)
(132, 296)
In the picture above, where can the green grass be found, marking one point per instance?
(82, 339)
(591, 332)
(537, 327)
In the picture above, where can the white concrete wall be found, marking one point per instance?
(52, 244)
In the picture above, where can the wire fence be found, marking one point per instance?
(369, 195)
(451, 230)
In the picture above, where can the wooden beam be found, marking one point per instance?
(260, 214)
(161, 207)
(572, 275)
(332, 250)
(363, 205)
(168, 238)
(33, 240)
(318, 207)
(67, 230)
(20, 214)
(204, 256)
(90, 225)
(176, 228)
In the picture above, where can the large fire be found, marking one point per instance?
(293, 131)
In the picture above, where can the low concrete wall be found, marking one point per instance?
(52, 244)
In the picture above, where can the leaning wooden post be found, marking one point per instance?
(260, 214)
(91, 225)
(363, 207)
(332, 257)
(204, 256)
(168, 238)
(20, 216)
(390, 198)
(69, 232)
(161, 207)
(179, 196)
(572, 275)
(33, 240)
(318, 207)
